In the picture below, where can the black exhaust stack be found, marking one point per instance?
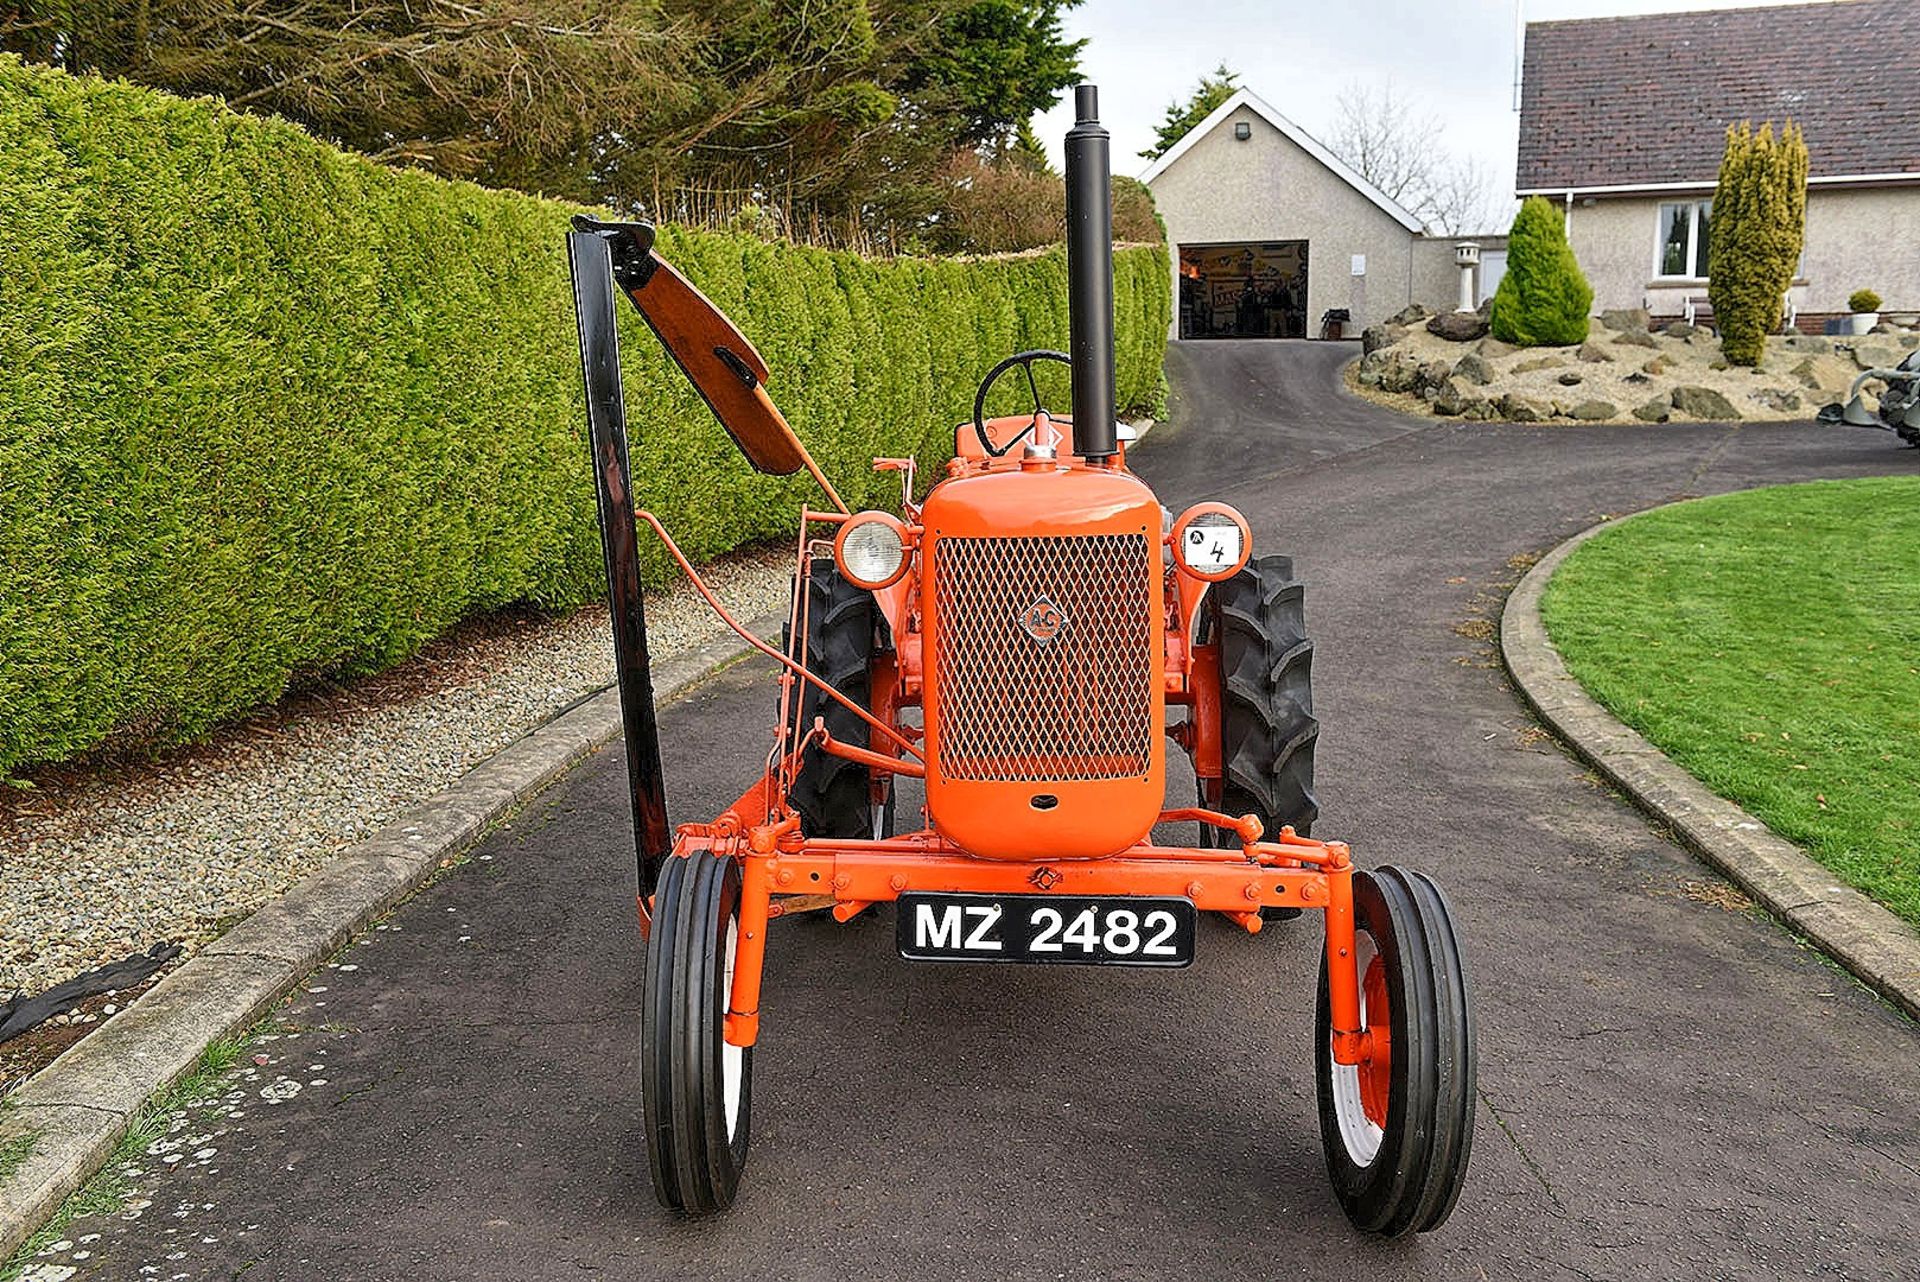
(1090, 278)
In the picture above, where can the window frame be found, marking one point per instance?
(1696, 251)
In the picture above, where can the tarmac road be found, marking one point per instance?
(1671, 1086)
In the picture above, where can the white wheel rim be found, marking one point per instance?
(1357, 1131)
(733, 1059)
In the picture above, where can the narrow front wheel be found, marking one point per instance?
(696, 1088)
(1398, 1126)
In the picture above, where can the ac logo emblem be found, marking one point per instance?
(1042, 620)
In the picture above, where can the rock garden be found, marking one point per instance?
(1627, 370)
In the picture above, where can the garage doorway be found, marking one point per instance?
(1253, 290)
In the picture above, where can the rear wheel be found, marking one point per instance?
(834, 796)
(696, 1088)
(1398, 1127)
(1267, 731)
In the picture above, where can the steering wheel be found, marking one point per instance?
(1025, 361)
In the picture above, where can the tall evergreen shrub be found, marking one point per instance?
(1758, 224)
(1543, 300)
(270, 412)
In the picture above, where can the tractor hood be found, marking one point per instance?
(1042, 595)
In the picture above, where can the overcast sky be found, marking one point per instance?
(1453, 58)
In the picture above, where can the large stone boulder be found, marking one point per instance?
(1538, 362)
(1702, 403)
(1593, 354)
(1430, 375)
(1635, 338)
(1658, 410)
(1450, 399)
(1458, 327)
(1657, 365)
(1592, 411)
(1680, 329)
(1411, 314)
(1823, 373)
(1493, 349)
(1375, 337)
(1520, 409)
(1473, 369)
(1876, 355)
(1776, 398)
(1399, 372)
(1626, 318)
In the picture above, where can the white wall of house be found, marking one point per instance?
(1865, 237)
(1862, 238)
(1268, 188)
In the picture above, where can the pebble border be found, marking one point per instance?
(76, 1109)
(1880, 949)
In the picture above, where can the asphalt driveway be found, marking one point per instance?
(1672, 1085)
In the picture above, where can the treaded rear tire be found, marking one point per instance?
(834, 796)
(1268, 730)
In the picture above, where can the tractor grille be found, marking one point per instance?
(1043, 659)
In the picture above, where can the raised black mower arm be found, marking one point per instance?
(599, 254)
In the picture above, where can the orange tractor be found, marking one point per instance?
(1021, 644)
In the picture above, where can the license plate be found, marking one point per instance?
(1075, 929)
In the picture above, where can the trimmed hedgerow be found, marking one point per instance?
(270, 412)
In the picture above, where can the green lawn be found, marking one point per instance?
(1769, 642)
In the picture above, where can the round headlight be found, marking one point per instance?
(872, 550)
(1211, 541)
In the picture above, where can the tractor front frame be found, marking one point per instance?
(779, 864)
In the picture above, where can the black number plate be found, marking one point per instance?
(1084, 929)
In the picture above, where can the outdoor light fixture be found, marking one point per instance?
(1242, 130)
(872, 550)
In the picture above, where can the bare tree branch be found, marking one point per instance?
(1399, 150)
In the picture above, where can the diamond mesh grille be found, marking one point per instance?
(1043, 659)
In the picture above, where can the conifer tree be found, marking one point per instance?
(1543, 300)
(1754, 237)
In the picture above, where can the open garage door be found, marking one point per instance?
(1253, 290)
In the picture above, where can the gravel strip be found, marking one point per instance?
(101, 862)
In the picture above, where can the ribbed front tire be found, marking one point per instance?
(1398, 1127)
(696, 1089)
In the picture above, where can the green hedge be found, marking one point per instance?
(270, 412)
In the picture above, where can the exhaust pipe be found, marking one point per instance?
(1090, 279)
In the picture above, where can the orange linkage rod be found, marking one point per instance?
(727, 618)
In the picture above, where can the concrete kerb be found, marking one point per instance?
(1876, 946)
(74, 1111)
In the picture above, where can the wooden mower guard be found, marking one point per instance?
(760, 829)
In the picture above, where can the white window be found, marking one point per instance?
(1683, 239)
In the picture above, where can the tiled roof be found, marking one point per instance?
(1616, 101)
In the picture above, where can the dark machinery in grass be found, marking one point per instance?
(1024, 641)
(1898, 407)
